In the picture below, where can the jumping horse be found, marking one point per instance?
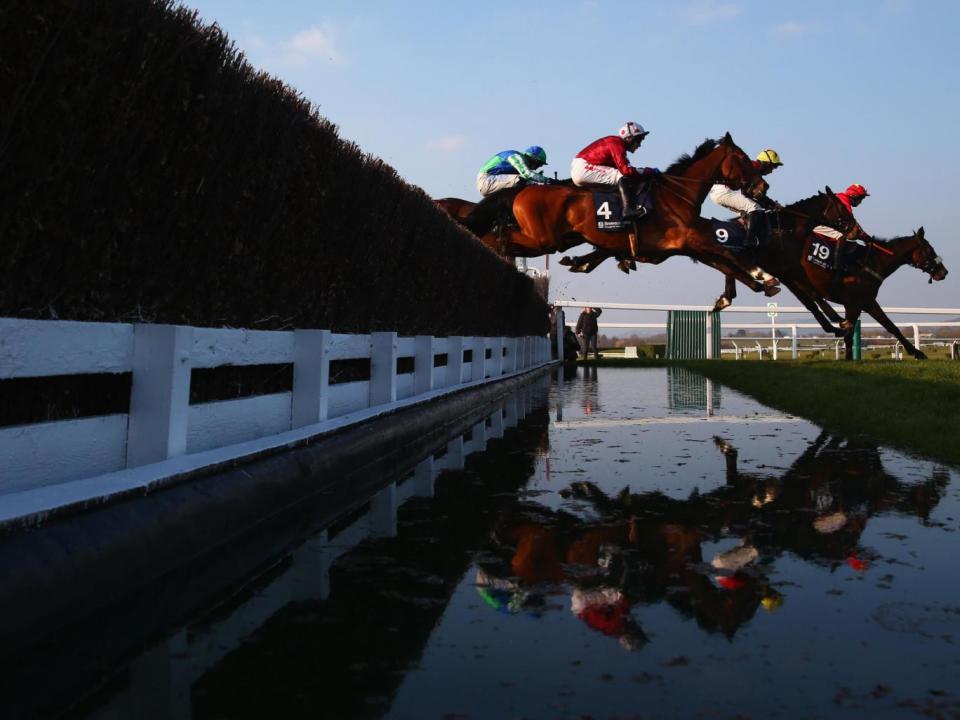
(554, 218)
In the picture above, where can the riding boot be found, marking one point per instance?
(756, 228)
(632, 210)
(838, 256)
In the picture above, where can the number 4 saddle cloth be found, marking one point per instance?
(608, 209)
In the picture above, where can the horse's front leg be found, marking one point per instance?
(812, 303)
(876, 312)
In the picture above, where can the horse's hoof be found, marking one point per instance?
(721, 303)
(631, 264)
(771, 290)
(579, 268)
(846, 326)
(565, 260)
(624, 266)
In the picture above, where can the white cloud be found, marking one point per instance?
(446, 143)
(792, 28)
(315, 43)
(708, 11)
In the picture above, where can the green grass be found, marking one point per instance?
(911, 405)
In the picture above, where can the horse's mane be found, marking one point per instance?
(801, 205)
(685, 161)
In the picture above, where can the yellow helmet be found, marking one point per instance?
(769, 156)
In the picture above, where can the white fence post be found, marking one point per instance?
(496, 369)
(479, 364)
(916, 336)
(794, 349)
(423, 364)
(160, 396)
(454, 360)
(311, 376)
(383, 368)
(708, 336)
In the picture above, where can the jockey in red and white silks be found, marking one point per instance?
(604, 162)
(851, 197)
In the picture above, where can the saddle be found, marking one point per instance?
(608, 208)
(731, 234)
(821, 251)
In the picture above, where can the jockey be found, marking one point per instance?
(751, 209)
(851, 198)
(509, 168)
(604, 162)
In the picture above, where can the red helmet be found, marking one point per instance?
(856, 190)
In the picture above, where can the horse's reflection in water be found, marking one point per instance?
(644, 548)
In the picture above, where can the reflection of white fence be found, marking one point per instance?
(161, 678)
(164, 436)
(774, 328)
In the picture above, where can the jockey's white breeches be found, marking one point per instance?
(732, 199)
(488, 184)
(584, 173)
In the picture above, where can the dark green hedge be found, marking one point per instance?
(147, 172)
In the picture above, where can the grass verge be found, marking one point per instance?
(909, 405)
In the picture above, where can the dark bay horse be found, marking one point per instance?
(553, 218)
(857, 288)
(456, 208)
(785, 253)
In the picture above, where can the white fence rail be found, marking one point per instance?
(773, 326)
(162, 425)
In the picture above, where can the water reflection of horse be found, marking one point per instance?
(554, 218)
(831, 490)
(648, 547)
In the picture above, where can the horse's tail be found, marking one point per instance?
(493, 210)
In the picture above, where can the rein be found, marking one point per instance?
(677, 178)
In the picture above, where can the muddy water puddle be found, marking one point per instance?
(631, 543)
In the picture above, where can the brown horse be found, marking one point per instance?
(857, 289)
(553, 218)
(456, 208)
(784, 254)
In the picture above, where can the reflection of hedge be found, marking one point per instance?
(146, 171)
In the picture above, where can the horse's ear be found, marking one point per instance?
(920, 232)
(728, 138)
(829, 191)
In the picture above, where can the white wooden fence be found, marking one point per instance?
(163, 435)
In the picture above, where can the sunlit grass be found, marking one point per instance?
(909, 404)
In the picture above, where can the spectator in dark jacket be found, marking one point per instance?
(587, 331)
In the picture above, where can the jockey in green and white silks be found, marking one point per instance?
(511, 167)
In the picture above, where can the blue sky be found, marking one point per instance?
(856, 91)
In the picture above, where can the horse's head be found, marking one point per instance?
(736, 169)
(925, 258)
(836, 215)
